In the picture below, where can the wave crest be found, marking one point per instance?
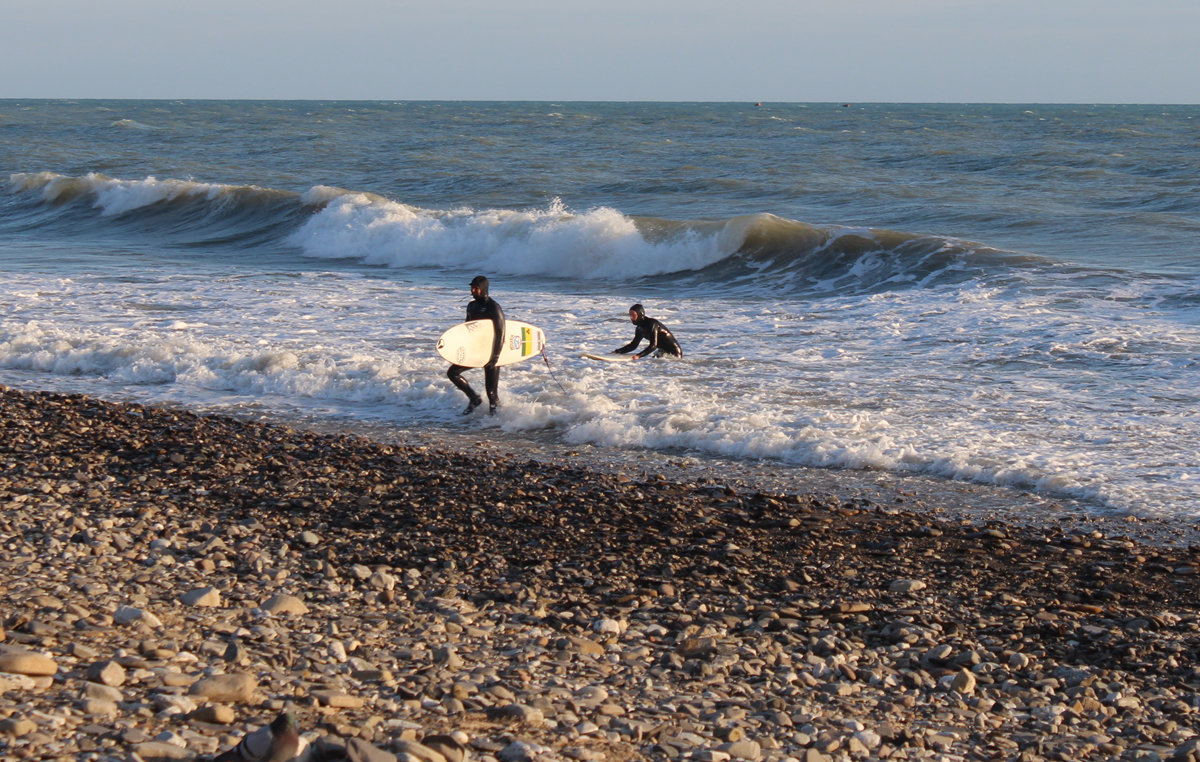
(752, 251)
(553, 241)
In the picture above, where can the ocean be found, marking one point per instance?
(983, 297)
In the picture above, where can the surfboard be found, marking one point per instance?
(470, 343)
(607, 358)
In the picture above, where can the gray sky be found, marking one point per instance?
(1074, 51)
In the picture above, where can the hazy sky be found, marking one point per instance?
(1077, 51)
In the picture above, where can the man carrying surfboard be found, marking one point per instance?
(482, 307)
(661, 340)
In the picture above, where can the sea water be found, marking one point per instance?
(980, 294)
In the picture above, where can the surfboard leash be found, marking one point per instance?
(547, 360)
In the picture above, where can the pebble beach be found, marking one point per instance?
(174, 581)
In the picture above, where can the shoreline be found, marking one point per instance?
(548, 611)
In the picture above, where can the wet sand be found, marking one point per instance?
(391, 593)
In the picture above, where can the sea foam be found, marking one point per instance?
(600, 243)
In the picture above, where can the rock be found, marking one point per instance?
(358, 750)
(517, 751)
(234, 688)
(419, 751)
(203, 597)
(963, 682)
(15, 682)
(16, 727)
(21, 662)
(519, 712)
(215, 714)
(586, 646)
(744, 749)
(101, 692)
(285, 604)
(108, 673)
(157, 751)
(869, 739)
(131, 614)
(451, 748)
(99, 707)
(905, 586)
(382, 581)
(337, 700)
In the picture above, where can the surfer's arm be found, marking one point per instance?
(628, 347)
(653, 345)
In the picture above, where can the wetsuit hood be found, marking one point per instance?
(638, 310)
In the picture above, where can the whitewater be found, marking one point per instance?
(1000, 296)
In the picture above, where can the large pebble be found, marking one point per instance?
(285, 604)
(234, 688)
(22, 662)
(202, 597)
(131, 614)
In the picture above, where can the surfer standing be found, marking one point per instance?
(482, 307)
(661, 340)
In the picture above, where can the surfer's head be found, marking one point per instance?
(479, 286)
(636, 313)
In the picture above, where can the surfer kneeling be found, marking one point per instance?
(482, 307)
(661, 340)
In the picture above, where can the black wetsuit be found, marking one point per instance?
(483, 308)
(661, 340)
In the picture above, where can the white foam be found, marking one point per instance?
(600, 243)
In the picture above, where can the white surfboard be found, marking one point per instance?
(607, 358)
(470, 343)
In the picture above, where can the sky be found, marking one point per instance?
(1015, 51)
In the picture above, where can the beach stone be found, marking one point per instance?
(131, 614)
(418, 751)
(382, 581)
(518, 751)
(215, 714)
(448, 657)
(905, 586)
(358, 750)
(202, 597)
(15, 682)
(451, 748)
(285, 604)
(234, 688)
(338, 700)
(17, 727)
(100, 707)
(22, 662)
(108, 673)
(868, 738)
(964, 682)
(522, 713)
(586, 646)
(744, 749)
(101, 692)
(158, 751)
(170, 704)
